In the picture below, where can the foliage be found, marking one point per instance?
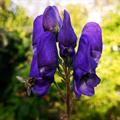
(15, 58)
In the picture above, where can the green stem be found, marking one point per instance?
(68, 95)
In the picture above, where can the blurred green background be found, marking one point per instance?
(16, 55)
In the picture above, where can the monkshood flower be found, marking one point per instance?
(45, 58)
(37, 30)
(86, 60)
(67, 37)
(51, 19)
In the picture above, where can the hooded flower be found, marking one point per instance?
(37, 30)
(44, 60)
(51, 19)
(67, 37)
(86, 60)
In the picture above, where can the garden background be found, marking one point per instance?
(16, 22)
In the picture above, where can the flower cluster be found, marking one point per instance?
(48, 29)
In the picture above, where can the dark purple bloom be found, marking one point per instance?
(51, 19)
(67, 37)
(37, 30)
(86, 60)
(44, 60)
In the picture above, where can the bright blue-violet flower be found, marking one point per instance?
(67, 37)
(51, 19)
(47, 29)
(45, 57)
(86, 60)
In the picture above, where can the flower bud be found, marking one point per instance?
(67, 38)
(51, 19)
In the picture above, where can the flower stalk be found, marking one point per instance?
(68, 95)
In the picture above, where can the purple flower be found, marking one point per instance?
(86, 60)
(45, 57)
(37, 30)
(51, 19)
(67, 37)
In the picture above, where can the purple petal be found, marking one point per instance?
(37, 30)
(67, 37)
(78, 73)
(94, 35)
(58, 16)
(85, 89)
(41, 87)
(47, 71)
(66, 51)
(76, 88)
(81, 87)
(47, 55)
(82, 57)
(84, 83)
(93, 80)
(47, 50)
(94, 32)
(90, 47)
(34, 71)
(51, 19)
